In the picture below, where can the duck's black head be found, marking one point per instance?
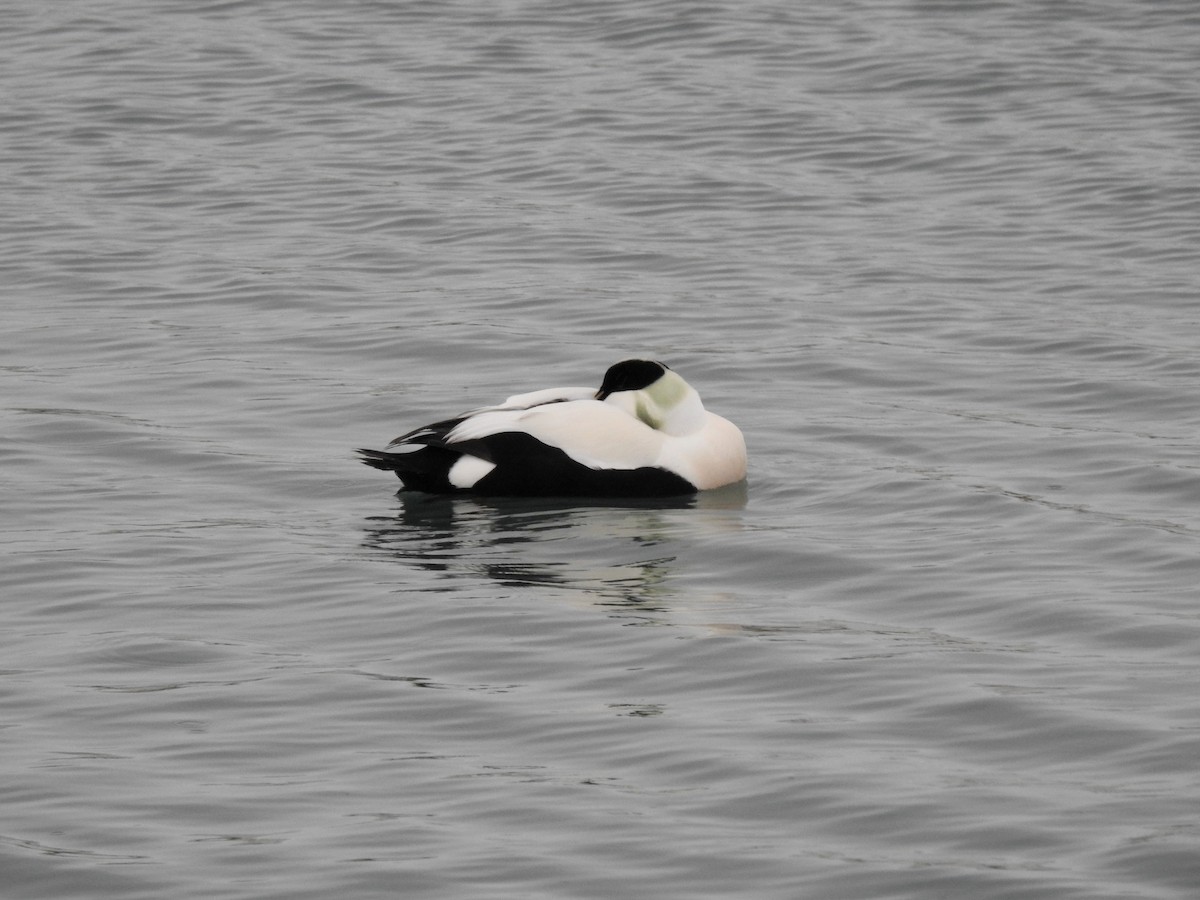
(630, 375)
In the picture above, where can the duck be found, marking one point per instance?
(643, 433)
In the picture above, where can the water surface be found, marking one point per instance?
(939, 264)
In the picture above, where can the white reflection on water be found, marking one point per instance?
(616, 551)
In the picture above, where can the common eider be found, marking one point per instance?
(644, 433)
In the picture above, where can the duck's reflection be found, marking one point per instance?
(618, 553)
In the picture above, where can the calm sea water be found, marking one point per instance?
(938, 260)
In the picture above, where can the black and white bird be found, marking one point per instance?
(644, 433)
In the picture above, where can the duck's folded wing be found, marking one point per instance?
(483, 422)
(538, 398)
(592, 433)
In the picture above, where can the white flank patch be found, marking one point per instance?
(468, 470)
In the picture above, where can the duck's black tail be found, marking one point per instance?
(423, 469)
(381, 459)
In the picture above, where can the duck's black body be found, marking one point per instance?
(525, 467)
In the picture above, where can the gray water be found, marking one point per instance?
(938, 260)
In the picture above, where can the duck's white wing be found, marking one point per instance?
(539, 398)
(593, 433)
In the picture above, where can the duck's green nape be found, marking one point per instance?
(648, 411)
(655, 401)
